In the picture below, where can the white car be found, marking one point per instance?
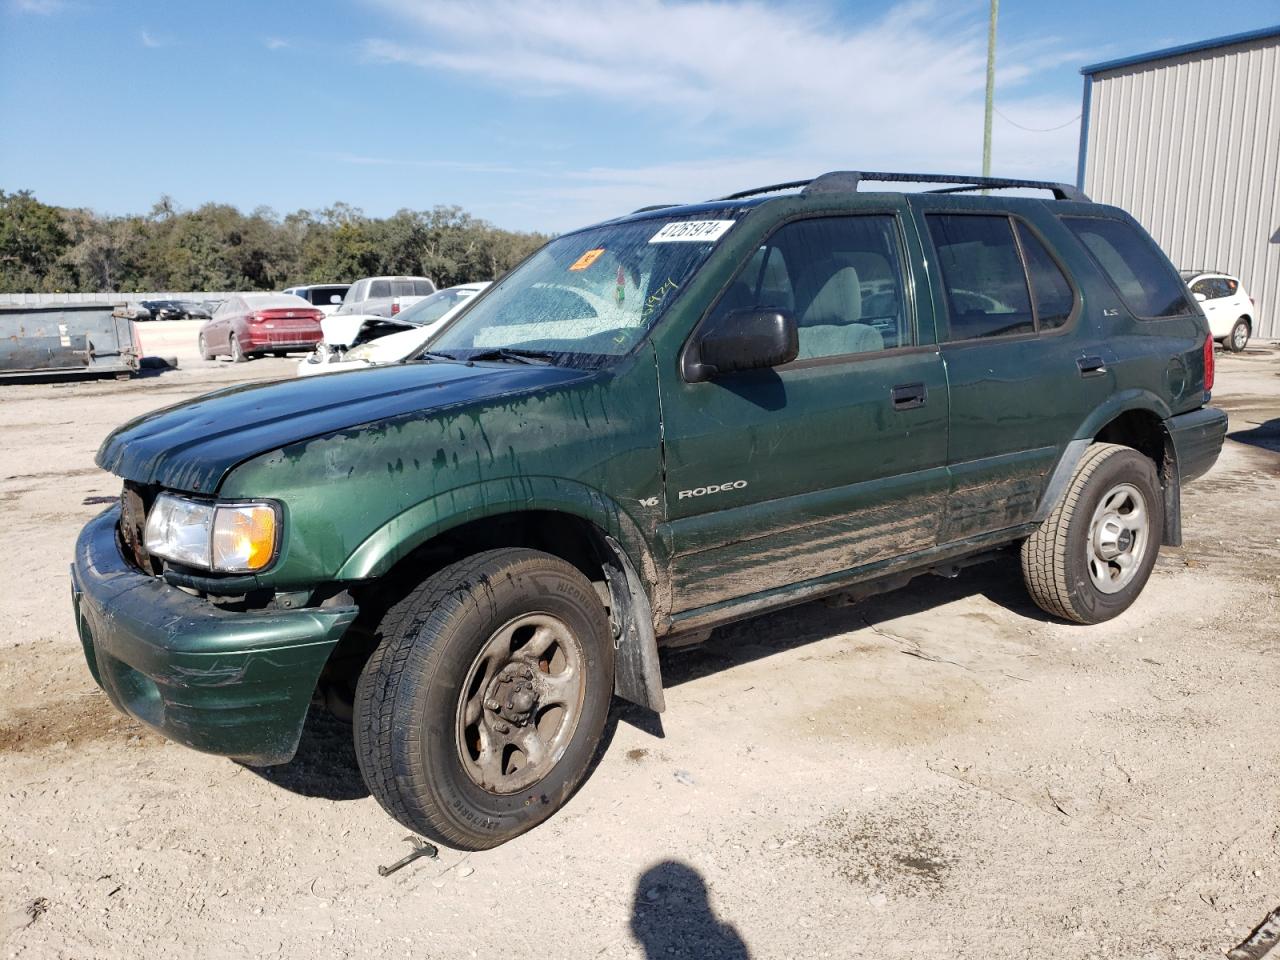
(1230, 310)
(356, 341)
(326, 296)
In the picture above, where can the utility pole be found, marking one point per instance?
(991, 88)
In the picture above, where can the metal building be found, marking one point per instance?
(1188, 140)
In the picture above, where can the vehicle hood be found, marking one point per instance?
(193, 445)
(397, 346)
(343, 329)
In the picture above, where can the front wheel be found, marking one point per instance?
(1238, 338)
(1093, 555)
(205, 353)
(480, 711)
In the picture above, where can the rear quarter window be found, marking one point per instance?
(1140, 273)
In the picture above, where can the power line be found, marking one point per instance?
(1037, 129)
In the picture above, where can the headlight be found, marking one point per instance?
(227, 537)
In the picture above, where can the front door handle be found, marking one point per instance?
(908, 396)
(1091, 366)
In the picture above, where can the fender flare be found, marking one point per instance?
(637, 671)
(1168, 472)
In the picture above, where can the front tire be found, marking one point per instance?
(479, 713)
(1093, 555)
(1238, 338)
(205, 354)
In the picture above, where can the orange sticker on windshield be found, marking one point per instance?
(587, 259)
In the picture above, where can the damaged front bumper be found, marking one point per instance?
(224, 682)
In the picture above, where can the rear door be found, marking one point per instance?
(1023, 372)
(836, 460)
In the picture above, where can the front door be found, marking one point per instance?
(836, 460)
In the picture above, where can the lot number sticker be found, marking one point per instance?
(587, 259)
(692, 231)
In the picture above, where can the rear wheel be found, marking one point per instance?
(1093, 555)
(237, 353)
(1238, 338)
(482, 708)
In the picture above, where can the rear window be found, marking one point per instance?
(379, 289)
(323, 295)
(1142, 276)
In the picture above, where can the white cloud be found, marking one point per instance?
(152, 41)
(275, 43)
(763, 92)
(43, 8)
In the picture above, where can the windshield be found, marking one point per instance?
(587, 297)
(433, 307)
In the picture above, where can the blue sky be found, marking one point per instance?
(540, 114)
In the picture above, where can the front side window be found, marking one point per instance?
(987, 294)
(589, 296)
(840, 277)
(1143, 277)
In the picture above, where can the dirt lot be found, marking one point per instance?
(936, 772)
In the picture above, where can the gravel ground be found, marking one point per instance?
(939, 771)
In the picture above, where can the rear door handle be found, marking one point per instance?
(1091, 366)
(908, 396)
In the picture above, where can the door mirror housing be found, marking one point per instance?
(750, 339)
(1200, 297)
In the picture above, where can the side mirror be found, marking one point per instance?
(335, 298)
(1200, 297)
(749, 339)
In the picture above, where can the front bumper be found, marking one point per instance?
(236, 684)
(1197, 440)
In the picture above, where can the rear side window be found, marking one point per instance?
(1145, 281)
(1050, 291)
(987, 293)
(1206, 288)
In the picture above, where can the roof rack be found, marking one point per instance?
(848, 181)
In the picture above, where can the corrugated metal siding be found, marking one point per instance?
(1190, 145)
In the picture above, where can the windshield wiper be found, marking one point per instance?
(543, 357)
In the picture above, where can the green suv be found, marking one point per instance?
(651, 427)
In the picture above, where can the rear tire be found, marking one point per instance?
(1238, 338)
(237, 353)
(479, 713)
(1093, 555)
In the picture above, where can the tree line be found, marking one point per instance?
(49, 249)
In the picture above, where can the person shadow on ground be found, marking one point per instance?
(671, 917)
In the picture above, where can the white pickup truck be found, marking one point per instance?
(385, 296)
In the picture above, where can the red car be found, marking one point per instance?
(249, 325)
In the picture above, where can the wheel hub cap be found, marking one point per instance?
(1118, 538)
(511, 695)
(521, 702)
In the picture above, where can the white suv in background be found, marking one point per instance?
(1230, 310)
